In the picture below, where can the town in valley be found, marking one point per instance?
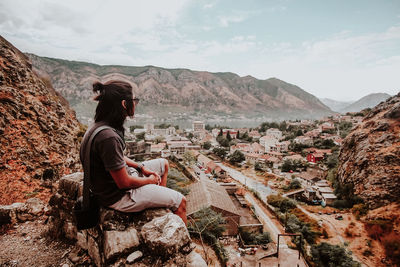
(272, 183)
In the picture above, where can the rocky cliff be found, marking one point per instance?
(38, 130)
(370, 157)
(184, 90)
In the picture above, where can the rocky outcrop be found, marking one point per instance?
(182, 90)
(370, 157)
(154, 237)
(21, 212)
(38, 131)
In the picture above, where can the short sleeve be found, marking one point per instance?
(110, 151)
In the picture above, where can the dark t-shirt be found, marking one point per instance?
(106, 155)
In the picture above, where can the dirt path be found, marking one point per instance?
(27, 245)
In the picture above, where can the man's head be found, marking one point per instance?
(116, 102)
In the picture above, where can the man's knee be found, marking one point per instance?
(182, 205)
(166, 164)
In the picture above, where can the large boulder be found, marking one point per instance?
(165, 235)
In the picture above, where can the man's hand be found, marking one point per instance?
(153, 179)
(147, 172)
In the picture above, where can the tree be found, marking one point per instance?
(190, 135)
(228, 136)
(206, 224)
(295, 184)
(220, 152)
(223, 141)
(258, 166)
(287, 166)
(140, 136)
(327, 255)
(189, 157)
(208, 127)
(238, 135)
(159, 139)
(133, 127)
(207, 145)
(237, 157)
(220, 133)
(332, 161)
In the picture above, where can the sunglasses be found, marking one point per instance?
(135, 100)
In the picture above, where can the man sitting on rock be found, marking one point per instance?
(117, 181)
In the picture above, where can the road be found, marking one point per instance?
(287, 256)
(259, 187)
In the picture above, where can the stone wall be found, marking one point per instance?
(154, 237)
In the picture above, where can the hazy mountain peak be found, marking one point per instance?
(368, 101)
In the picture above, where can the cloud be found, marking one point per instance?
(150, 33)
(90, 25)
(343, 66)
(224, 21)
(209, 5)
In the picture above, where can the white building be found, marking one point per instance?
(164, 132)
(148, 127)
(198, 126)
(275, 133)
(305, 140)
(269, 142)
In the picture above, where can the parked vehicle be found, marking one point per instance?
(339, 217)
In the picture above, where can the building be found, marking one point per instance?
(328, 198)
(282, 146)
(313, 133)
(270, 160)
(163, 132)
(254, 134)
(304, 140)
(156, 148)
(203, 160)
(231, 132)
(213, 168)
(148, 127)
(327, 126)
(252, 158)
(309, 178)
(274, 132)
(297, 157)
(315, 157)
(140, 147)
(181, 148)
(198, 126)
(248, 148)
(310, 194)
(209, 194)
(269, 142)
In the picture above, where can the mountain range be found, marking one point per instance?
(165, 92)
(368, 101)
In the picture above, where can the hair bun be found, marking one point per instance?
(98, 87)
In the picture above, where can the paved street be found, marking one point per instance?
(287, 256)
(262, 189)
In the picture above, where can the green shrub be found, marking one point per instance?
(284, 204)
(327, 255)
(250, 238)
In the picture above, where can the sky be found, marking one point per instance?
(335, 49)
